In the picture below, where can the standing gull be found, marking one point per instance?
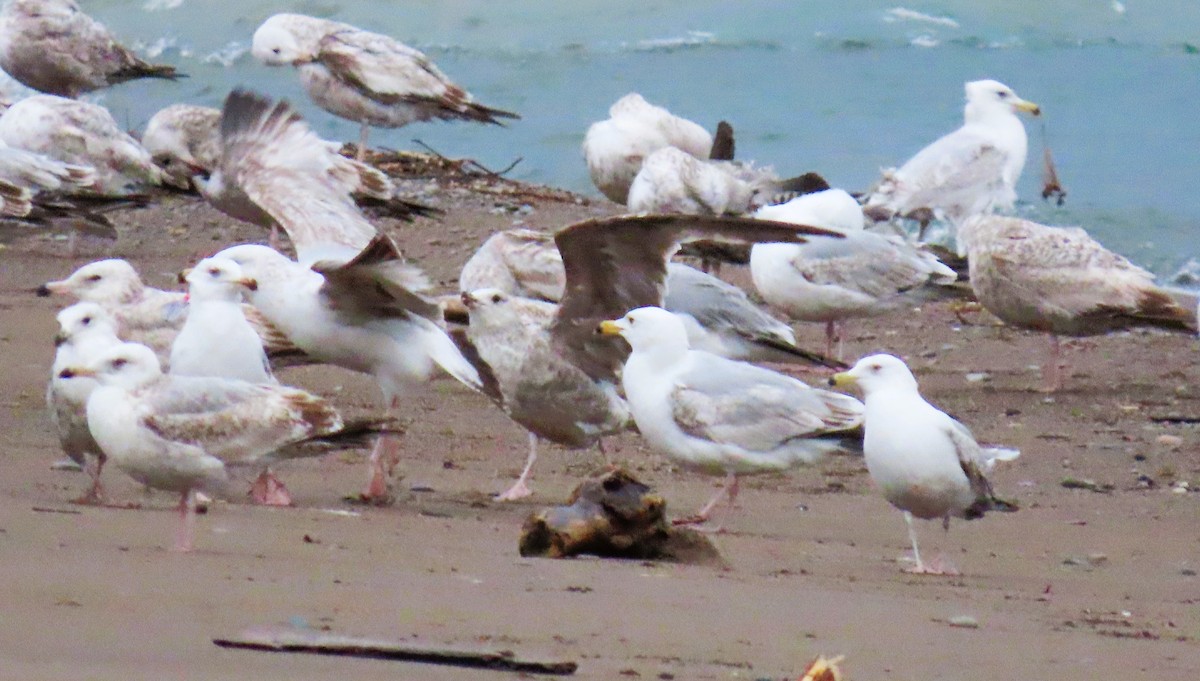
(554, 376)
(925, 463)
(85, 331)
(53, 47)
(365, 315)
(178, 433)
(831, 280)
(216, 340)
(1059, 280)
(970, 171)
(365, 77)
(81, 133)
(616, 147)
(721, 416)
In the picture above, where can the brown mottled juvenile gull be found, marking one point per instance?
(1060, 281)
(555, 376)
(53, 47)
(673, 181)
(969, 171)
(85, 331)
(179, 433)
(925, 463)
(367, 315)
(84, 134)
(365, 77)
(184, 140)
(616, 147)
(722, 416)
(832, 280)
(519, 262)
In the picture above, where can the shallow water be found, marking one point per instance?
(842, 88)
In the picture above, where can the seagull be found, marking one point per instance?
(25, 174)
(366, 314)
(831, 280)
(673, 181)
(53, 47)
(722, 416)
(83, 134)
(970, 171)
(85, 331)
(216, 340)
(1061, 281)
(179, 433)
(365, 77)
(253, 151)
(719, 317)
(927, 464)
(616, 147)
(552, 374)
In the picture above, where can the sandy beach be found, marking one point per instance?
(1096, 579)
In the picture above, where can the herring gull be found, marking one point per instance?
(184, 140)
(926, 464)
(553, 375)
(831, 280)
(85, 331)
(722, 416)
(82, 134)
(53, 47)
(216, 339)
(366, 314)
(615, 148)
(1060, 281)
(719, 317)
(365, 77)
(970, 171)
(179, 433)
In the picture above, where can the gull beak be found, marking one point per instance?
(610, 327)
(468, 300)
(76, 372)
(1027, 107)
(183, 275)
(59, 339)
(843, 379)
(249, 282)
(50, 288)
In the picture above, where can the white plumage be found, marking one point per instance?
(216, 340)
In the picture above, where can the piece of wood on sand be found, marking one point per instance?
(294, 640)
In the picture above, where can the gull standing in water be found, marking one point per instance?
(926, 464)
(365, 77)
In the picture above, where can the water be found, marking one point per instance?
(842, 88)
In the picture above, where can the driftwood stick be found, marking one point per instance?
(288, 640)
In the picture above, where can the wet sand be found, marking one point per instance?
(1079, 584)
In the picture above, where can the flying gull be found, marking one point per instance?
(85, 331)
(970, 171)
(832, 280)
(1060, 281)
(365, 77)
(53, 47)
(926, 464)
(722, 416)
(555, 376)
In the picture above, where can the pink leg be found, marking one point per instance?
(938, 567)
(833, 333)
(384, 458)
(729, 489)
(1052, 370)
(269, 490)
(95, 494)
(187, 520)
(520, 488)
(363, 132)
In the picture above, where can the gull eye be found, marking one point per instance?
(275, 50)
(1002, 94)
(94, 278)
(876, 367)
(496, 298)
(119, 363)
(85, 321)
(214, 271)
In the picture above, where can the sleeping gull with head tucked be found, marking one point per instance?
(721, 416)
(53, 47)
(926, 464)
(179, 433)
(970, 171)
(831, 280)
(85, 331)
(365, 77)
(1061, 281)
(553, 375)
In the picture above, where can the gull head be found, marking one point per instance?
(488, 306)
(830, 209)
(218, 279)
(168, 147)
(875, 373)
(289, 39)
(649, 329)
(989, 98)
(82, 320)
(258, 262)
(127, 365)
(103, 281)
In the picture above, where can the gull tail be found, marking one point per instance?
(783, 351)
(141, 69)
